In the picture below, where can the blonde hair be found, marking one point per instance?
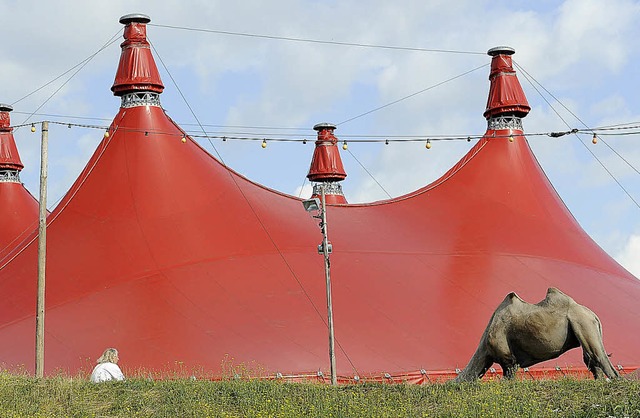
(110, 355)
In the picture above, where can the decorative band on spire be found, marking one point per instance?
(10, 176)
(333, 194)
(504, 122)
(145, 98)
(10, 163)
(137, 71)
(506, 96)
(330, 188)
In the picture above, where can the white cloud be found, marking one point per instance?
(629, 258)
(303, 192)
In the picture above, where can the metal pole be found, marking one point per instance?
(327, 275)
(42, 252)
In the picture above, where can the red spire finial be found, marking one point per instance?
(9, 157)
(137, 69)
(326, 164)
(505, 94)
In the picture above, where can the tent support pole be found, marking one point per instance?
(42, 249)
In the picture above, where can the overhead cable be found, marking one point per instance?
(78, 67)
(193, 113)
(316, 41)
(412, 95)
(355, 138)
(369, 173)
(579, 120)
(528, 77)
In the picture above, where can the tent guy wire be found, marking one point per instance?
(316, 41)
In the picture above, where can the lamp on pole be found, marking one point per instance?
(325, 249)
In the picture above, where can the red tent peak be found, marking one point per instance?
(326, 164)
(506, 96)
(137, 72)
(501, 50)
(9, 157)
(5, 120)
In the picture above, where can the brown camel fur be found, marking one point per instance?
(521, 334)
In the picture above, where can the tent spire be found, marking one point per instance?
(10, 163)
(507, 103)
(137, 79)
(326, 165)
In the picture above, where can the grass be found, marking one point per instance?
(23, 396)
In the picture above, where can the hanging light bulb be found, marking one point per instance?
(595, 138)
(344, 145)
(184, 138)
(106, 133)
(511, 138)
(264, 143)
(33, 127)
(428, 144)
(224, 139)
(69, 126)
(386, 142)
(468, 139)
(304, 141)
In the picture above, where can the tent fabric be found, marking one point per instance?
(186, 266)
(19, 214)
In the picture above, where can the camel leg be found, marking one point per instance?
(592, 365)
(509, 368)
(477, 367)
(593, 353)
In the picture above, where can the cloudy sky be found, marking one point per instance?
(234, 68)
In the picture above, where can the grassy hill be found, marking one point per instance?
(23, 396)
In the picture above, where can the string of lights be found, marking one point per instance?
(353, 138)
(634, 127)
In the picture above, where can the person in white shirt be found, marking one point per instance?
(107, 368)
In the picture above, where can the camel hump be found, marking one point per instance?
(555, 291)
(512, 298)
(556, 297)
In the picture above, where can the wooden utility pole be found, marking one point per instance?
(327, 276)
(42, 252)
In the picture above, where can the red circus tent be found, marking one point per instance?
(19, 213)
(182, 264)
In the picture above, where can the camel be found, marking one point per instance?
(521, 334)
